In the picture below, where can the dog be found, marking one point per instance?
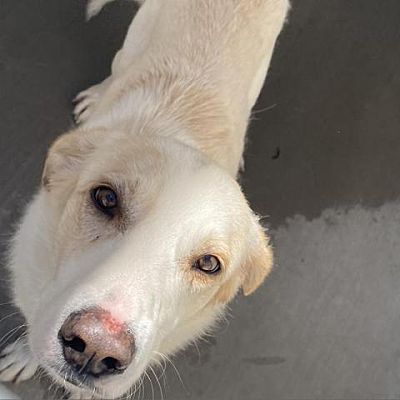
(139, 235)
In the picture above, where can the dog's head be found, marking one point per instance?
(145, 240)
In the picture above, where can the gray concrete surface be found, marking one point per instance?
(326, 325)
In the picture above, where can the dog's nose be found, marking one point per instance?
(95, 343)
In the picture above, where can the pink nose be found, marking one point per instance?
(96, 344)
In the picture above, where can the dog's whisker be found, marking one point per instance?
(141, 383)
(64, 376)
(9, 316)
(133, 391)
(10, 333)
(126, 395)
(198, 350)
(93, 391)
(8, 303)
(164, 375)
(158, 382)
(166, 358)
(261, 110)
(137, 389)
(151, 369)
(22, 337)
(136, 392)
(51, 385)
(151, 384)
(162, 365)
(129, 394)
(39, 375)
(142, 388)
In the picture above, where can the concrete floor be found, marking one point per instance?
(326, 324)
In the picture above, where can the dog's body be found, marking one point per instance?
(201, 66)
(163, 135)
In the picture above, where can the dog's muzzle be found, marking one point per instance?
(95, 344)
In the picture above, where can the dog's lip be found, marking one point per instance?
(77, 383)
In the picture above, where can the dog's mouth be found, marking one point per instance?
(68, 377)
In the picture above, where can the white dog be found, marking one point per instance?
(139, 235)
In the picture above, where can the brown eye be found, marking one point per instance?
(105, 199)
(208, 264)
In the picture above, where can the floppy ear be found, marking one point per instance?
(66, 155)
(258, 263)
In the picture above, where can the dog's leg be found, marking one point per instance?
(87, 99)
(135, 43)
(95, 6)
(17, 363)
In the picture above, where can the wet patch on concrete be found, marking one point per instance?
(330, 310)
(323, 81)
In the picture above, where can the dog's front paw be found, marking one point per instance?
(17, 363)
(86, 100)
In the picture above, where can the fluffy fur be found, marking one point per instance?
(166, 130)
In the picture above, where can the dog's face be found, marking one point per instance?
(145, 241)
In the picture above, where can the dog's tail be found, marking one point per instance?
(95, 6)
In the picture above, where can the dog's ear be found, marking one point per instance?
(66, 156)
(256, 265)
(258, 262)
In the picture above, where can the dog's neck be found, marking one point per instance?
(193, 70)
(160, 103)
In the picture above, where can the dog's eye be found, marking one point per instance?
(208, 264)
(105, 199)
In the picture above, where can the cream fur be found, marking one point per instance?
(167, 130)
